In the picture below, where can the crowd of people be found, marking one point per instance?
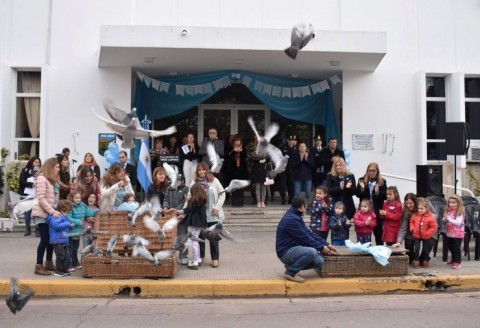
(320, 173)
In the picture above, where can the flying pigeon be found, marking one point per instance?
(92, 248)
(161, 256)
(119, 115)
(133, 131)
(264, 141)
(140, 250)
(111, 244)
(170, 224)
(151, 206)
(17, 299)
(131, 240)
(279, 161)
(211, 235)
(301, 35)
(215, 161)
(219, 229)
(152, 225)
(236, 184)
(194, 238)
(20, 207)
(171, 171)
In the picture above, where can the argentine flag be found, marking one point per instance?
(144, 168)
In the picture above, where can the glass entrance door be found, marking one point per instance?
(230, 120)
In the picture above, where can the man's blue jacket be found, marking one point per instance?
(292, 231)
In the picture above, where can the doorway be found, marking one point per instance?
(231, 119)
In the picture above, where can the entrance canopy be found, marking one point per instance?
(180, 50)
(301, 100)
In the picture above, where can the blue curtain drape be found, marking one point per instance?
(174, 95)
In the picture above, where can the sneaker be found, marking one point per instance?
(456, 265)
(416, 264)
(78, 267)
(184, 261)
(59, 274)
(450, 262)
(425, 264)
(67, 273)
(192, 265)
(71, 269)
(295, 278)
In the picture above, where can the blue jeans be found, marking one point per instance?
(301, 258)
(306, 186)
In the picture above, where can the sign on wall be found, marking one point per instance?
(362, 141)
(104, 139)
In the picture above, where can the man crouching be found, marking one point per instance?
(297, 246)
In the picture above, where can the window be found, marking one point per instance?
(472, 105)
(27, 113)
(436, 118)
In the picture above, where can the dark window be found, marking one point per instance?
(435, 86)
(436, 120)
(436, 151)
(472, 116)
(472, 87)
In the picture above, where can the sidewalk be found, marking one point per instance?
(249, 268)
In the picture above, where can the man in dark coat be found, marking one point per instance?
(297, 246)
(329, 153)
(319, 174)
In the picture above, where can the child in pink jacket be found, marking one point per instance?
(364, 220)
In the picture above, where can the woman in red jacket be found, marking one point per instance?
(47, 188)
(423, 226)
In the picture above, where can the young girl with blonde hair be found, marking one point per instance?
(454, 217)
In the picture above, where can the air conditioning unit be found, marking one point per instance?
(473, 154)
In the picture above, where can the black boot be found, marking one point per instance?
(28, 231)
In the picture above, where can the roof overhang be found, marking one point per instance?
(176, 50)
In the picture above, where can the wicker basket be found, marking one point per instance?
(123, 267)
(116, 222)
(347, 264)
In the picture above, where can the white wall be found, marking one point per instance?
(434, 36)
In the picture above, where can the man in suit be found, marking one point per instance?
(130, 169)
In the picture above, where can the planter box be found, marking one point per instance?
(348, 264)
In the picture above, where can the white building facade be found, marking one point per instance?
(406, 67)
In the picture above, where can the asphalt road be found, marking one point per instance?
(408, 310)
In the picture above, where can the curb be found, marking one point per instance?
(245, 288)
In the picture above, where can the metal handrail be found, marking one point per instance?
(414, 180)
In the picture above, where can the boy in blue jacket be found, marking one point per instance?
(58, 229)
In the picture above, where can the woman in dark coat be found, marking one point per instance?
(341, 185)
(373, 186)
(236, 168)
